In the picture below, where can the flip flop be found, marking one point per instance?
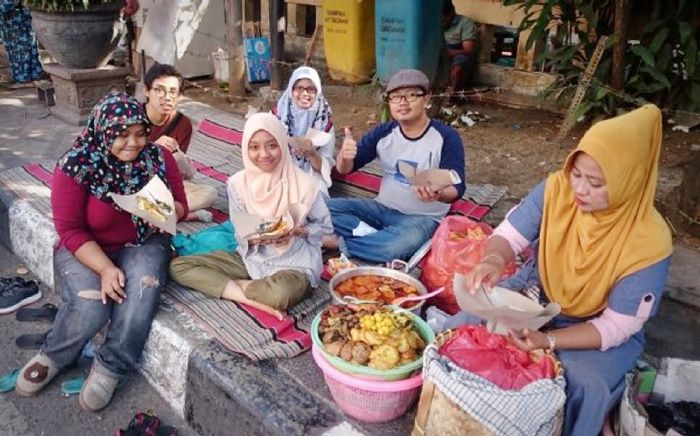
(31, 341)
(72, 386)
(47, 312)
(7, 381)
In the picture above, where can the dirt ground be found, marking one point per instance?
(513, 147)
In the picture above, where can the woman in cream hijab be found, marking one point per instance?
(270, 276)
(602, 253)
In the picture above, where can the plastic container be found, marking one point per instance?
(348, 40)
(365, 372)
(369, 400)
(408, 34)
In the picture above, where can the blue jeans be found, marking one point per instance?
(82, 313)
(398, 235)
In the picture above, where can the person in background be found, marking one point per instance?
(602, 253)
(301, 107)
(20, 43)
(402, 217)
(460, 38)
(110, 265)
(268, 275)
(171, 129)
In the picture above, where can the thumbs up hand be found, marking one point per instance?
(348, 150)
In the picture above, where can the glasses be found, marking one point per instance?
(300, 89)
(161, 92)
(410, 97)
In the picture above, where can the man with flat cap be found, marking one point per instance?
(402, 217)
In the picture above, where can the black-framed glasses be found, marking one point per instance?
(311, 90)
(161, 92)
(410, 97)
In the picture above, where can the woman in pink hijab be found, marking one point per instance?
(269, 275)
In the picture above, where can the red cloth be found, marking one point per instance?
(80, 217)
(182, 132)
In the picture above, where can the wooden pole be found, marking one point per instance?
(620, 45)
(583, 84)
(276, 43)
(234, 47)
(312, 44)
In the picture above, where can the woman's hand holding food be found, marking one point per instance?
(112, 282)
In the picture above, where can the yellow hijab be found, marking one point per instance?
(582, 255)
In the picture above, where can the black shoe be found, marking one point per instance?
(10, 281)
(16, 294)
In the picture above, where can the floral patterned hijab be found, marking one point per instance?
(91, 164)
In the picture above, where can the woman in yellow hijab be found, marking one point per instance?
(602, 253)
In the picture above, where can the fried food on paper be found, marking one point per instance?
(158, 210)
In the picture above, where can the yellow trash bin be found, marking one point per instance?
(348, 33)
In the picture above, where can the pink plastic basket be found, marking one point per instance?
(369, 400)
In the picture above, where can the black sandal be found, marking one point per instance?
(31, 341)
(47, 312)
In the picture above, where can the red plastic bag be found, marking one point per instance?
(456, 247)
(494, 358)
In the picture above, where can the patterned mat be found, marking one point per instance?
(215, 154)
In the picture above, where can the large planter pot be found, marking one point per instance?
(79, 39)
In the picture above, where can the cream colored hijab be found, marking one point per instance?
(582, 255)
(269, 194)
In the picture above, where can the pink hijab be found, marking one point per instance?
(269, 194)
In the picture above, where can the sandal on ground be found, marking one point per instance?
(7, 381)
(31, 341)
(72, 386)
(47, 312)
(147, 424)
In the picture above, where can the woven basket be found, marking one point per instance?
(438, 415)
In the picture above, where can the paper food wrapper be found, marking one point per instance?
(153, 203)
(313, 139)
(254, 227)
(434, 177)
(502, 308)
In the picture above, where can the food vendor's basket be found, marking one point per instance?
(439, 413)
(369, 400)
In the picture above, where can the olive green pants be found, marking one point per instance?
(209, 273)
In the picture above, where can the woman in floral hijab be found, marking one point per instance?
(110, 265)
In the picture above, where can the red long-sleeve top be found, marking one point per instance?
(80, 217)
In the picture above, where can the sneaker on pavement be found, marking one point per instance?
(97, 391)
(34, 375)
(15, 294)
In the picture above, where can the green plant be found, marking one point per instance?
(662, 67)
(67, 5)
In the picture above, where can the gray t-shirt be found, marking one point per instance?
(438, 147)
